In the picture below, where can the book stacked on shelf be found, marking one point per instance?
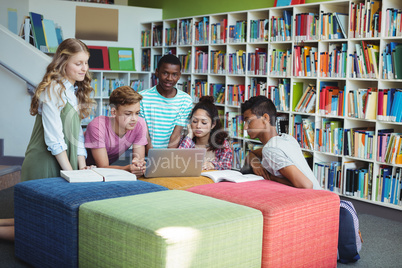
(257, 62)
(365, 19)
(201, 30)
(388, 185)
(306, 27)
(40, 32)
(156, 60)
(389, 149)
(391, 61)
(185, 60)
(334, 25)
(358, 179)
(303, 132)
(364, 60)
(146, 60)
(234, 124)
(329, 175)
(201, 61)
(304, 102)
(111, 84)
(330, 99)
(218, 32)
(185, 86)
(281, 27)
(362, 103)
(171, 35)
(333, 61)
(237, 62)
(145, 38)
(305, 61)
(235, 94)
(359, 142)
(390, 105)
(279, 60)
(95, 86)
(137, 85)
(238, 32)
(218, 62)
(329, 136)
(259, 30)
(257, 86)
(200, 89)
(280, 94)
(185, 31)
(392, 22)
(157, 35)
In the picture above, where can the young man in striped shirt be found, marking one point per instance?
(165, 108)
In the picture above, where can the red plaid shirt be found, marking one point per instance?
(223, 156)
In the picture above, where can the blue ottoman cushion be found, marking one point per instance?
(46, 216)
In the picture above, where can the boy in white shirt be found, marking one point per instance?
(281, 158)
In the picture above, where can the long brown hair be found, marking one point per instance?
(56, 73)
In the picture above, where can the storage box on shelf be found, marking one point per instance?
(333, 74)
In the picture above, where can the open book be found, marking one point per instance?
(230, 175)
(97, 174)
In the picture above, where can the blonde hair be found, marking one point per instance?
(56, 73)
(124, 95)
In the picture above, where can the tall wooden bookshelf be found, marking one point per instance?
(279, 56)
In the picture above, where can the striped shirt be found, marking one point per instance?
(163, 114)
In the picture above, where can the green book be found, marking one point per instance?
(297, 93)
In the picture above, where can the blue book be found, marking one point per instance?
(37, 30)
(398, 110)
(362, 173)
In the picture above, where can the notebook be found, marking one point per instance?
(174, 162)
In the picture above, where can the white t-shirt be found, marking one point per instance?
(282, 151)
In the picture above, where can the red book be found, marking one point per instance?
(380, 104)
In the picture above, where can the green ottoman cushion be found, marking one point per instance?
(169, 229)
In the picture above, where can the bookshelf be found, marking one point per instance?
(324, 55)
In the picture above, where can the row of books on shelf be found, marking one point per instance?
(389, 148)
(218, 32)
(218, 62)
(365, 19)
(333, 61)
(307, 27)
(391, 61)
(234, 124)
(281, 27)
(307, 98)
(238, 32)
(43, 33)
(237, 62)
(201, 61)
(259, 30)
(171, 36)
(365, 59)
(334, 25)
(145, 38)
(305, 61)
(201, 31)
(185, 60)
(279, 60)
(303, 132)
(108, 85)
(185, 31)
(358, 180)
(157, 38)
(279, 94)
(393, 22)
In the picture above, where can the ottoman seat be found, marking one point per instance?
(300, 225)
(46, 216)
(169, 229)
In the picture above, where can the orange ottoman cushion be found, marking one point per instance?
(178, 183)
(300, 225)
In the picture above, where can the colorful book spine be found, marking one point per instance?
(145, 38)
(237, 62)
(185, 31)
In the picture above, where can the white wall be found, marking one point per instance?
(15, 121)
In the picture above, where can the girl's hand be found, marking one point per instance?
(190, 131)
(88, 167)
(208, 166)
